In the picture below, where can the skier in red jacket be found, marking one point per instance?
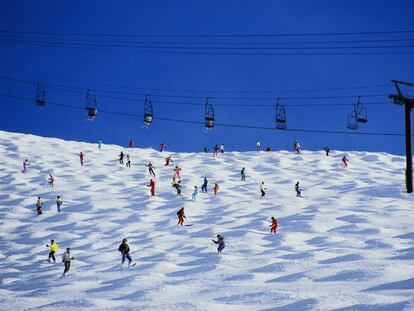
(273, 226)
(181, 216)
(345, 161)
(168, 160)
(81, 157)
(152, 186)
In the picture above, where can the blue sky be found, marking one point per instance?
(204, 74)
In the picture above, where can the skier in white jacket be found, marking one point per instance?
(262, 189)
(66, 259)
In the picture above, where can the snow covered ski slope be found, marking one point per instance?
(346, 245)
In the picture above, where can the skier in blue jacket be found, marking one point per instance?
(204, 186)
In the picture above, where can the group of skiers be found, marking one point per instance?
(124, 248)
(176, 183)
(66, 256)
(259, 147)
(39, 205)
(218, 149)
(176, 180)
(121, 159)
(263, 189)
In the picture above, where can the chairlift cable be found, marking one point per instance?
(153, 50)
(200, 122)
(309, 34)
(80, 90)
(203, 91)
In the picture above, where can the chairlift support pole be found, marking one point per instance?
(409, 104)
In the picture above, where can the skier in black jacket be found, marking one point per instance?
(124, 249)
(220, 242)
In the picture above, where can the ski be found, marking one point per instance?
(258, 232)
(46, 261)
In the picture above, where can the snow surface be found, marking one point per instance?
(347, 245)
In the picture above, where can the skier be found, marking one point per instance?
(262, 189)
(51, 180)
(181, 216)
(39, 205)
(273, 226)
(220, 242)
(131, 143)
(326, 151)
(162, 146)
(66, 259)
(216, 150)
(168, 160)
(194, 196)
(150, 168)
(152, 185)
(25, 165)
(121, 158)
(216, 188)
(204, 185)
(177, 185)
(345, 161)
(222, 148)
(177, 171)
(53, 249)
(296, 147)
(128, 161)
(124, 249)
(59, 203)
(298, 192)
(81, 158)
(258, 146)
(99, 144)
(243, 174)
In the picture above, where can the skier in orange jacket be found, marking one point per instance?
(216, 188)
(177, 171)
(181, 216)
(273, 226)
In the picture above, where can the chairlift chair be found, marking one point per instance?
(40, 95)
(148, 112)
(91, 105)
(208, 115)
(352, 122)
(280, 116)
(360, 112)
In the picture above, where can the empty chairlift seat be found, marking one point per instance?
(148, 112)
(91, 105)
(281, 121)
(40, 95)
(208, 115)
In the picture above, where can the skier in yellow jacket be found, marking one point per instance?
(53, 249)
